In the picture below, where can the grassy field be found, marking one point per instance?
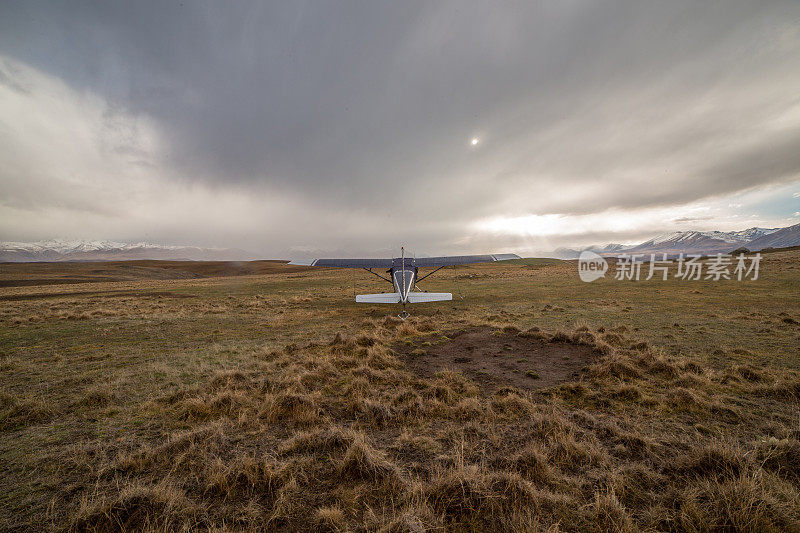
(159, 397)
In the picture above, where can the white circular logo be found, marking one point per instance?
(591, 266)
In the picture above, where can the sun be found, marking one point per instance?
(475, 141)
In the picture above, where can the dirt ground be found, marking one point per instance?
(496, 358)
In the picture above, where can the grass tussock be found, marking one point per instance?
(182, 451)
(781, 389)
(470, 497)
(18, 412)
(416, 449)
(614, 366)
(606, 513)
(291, 408)
(99, 396)
(781, 456)
(714, 460)
(246, 476)
(137, 508)
(757, 503)
(532, 464)
(330, 519)
(320, 440)
(363, 462)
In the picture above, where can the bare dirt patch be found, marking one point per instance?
(495, 358)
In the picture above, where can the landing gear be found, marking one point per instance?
(403, 315)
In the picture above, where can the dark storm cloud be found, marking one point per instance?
(369, 107)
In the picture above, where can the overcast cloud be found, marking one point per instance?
(345, 128)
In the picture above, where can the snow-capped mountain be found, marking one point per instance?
(754, 233)
(699, 241)
(573, 253)
(78, 250)
(732, 237)
(608, 248)
(703, 242)
(782, 238)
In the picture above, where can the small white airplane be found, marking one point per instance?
(403, 274)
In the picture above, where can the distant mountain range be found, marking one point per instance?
(686, 242)
(62, 250)
(700, 242)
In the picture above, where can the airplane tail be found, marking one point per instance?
(413, 297)
(420, 297)
(383, 298)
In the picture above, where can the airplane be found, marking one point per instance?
(404, 275)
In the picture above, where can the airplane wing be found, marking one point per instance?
(419, 261)
(461, 259)
(346, 263)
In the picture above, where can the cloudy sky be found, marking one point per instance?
(330, 128)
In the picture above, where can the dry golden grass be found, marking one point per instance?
(271, 403)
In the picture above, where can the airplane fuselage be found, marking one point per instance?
(403, 275)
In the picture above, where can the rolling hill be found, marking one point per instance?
(81, 250)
